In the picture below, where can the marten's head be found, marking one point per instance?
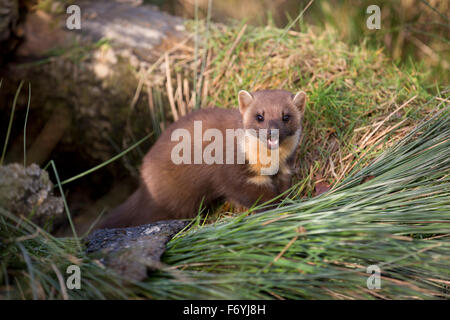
(273, 109)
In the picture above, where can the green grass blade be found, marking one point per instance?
(78, 176)
(25, 127)
(5, 144)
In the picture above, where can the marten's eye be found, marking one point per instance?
(286, 118)
(260, 118)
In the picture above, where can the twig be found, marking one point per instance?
(61, 282)
(170, 89)
(228, 55)
(181, 103)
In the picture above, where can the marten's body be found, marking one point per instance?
(176, 191)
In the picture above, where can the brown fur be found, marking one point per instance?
(170, 191)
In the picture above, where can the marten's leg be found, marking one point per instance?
(283, 179)
(283, 182)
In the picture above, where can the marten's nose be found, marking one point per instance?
(272, 125)
(273, 133)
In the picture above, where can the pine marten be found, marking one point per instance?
(173, 190)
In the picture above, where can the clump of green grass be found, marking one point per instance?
(33, 265)
(393, 213)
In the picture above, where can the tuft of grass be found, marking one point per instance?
(11, 118)
(25, 127)
(33, 263)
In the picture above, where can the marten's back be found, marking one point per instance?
(181, 187)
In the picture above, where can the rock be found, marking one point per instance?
(133, 251)
(23, 190)
(141, 27)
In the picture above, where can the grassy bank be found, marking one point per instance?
(392, 212)
(356, 95)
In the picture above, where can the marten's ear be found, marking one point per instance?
(299, 100)
(245, 98)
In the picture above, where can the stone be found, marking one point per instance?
(133, 251)
(28, 192)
